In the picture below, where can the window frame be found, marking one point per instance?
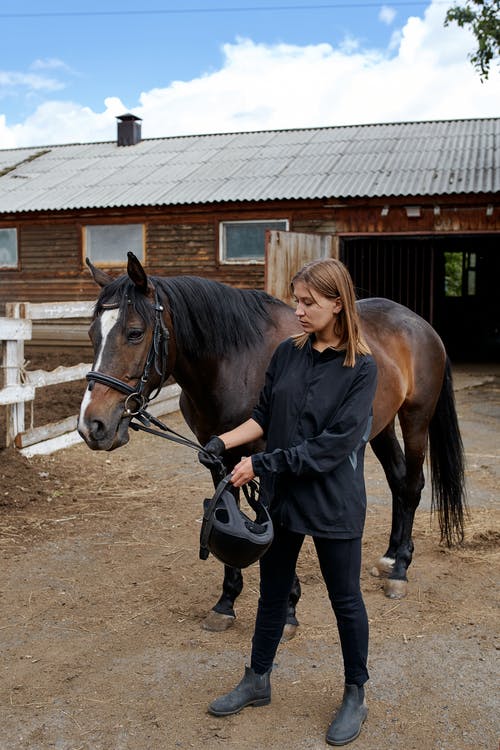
(224, 260)
(112, 263)
(15, 266)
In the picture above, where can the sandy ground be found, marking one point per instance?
(103, 598)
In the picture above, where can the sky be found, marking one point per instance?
(68, 68)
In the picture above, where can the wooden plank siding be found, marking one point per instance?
(180, 248)
(50, 246)
(286, 252)
(174, 249)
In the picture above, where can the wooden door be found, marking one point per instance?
(287, 252)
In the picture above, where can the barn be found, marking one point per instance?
(412, 208)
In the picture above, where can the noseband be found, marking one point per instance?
(157, 358)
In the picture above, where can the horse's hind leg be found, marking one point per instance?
(388, 451)
(406, 480)
(414, 426)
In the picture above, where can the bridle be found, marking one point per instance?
(157, 359)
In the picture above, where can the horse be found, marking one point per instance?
(216, 341)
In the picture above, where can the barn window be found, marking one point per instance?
(108, 244)
(244, 241)
(8, 248)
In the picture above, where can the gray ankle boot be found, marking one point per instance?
(346, 725)
(253, 690)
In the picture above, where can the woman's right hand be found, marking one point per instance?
(243, 472)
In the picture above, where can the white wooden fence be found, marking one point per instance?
(19, 384)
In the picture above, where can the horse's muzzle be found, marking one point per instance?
(104, 436)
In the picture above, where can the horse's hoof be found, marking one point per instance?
(289, 632)
(395, 588)
(217, 622)
(383, 567)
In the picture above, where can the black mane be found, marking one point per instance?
(213, 318)
(208, 317)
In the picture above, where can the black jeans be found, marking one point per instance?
(340, 562)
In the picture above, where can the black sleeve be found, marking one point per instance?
(261, 411)
(348, 428)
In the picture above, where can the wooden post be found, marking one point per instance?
(13, 363)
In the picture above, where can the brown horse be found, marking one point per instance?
(216, 341)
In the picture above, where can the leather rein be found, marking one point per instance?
(157, 359)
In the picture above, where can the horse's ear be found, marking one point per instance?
(100, 277)
(137, 274)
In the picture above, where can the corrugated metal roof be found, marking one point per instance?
(399, 159)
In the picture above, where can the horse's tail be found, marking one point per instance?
(447, 460)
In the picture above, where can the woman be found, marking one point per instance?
(315, 413)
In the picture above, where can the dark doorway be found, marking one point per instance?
(451, 281)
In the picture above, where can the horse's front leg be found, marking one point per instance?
(292, 623)
(222, 615)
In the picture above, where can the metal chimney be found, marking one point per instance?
(129, 130)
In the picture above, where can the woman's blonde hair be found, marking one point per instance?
(331, 279)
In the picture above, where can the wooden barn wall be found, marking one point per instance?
(184, 240)
(53, 246)
(192, 248)
(360, 218)
(49, 264)
(173, 249)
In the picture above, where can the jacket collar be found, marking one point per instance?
(326, 354)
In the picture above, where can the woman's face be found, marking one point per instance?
(316, 314)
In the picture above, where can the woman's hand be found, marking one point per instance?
(243, 472)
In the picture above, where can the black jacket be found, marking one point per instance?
(316, 417)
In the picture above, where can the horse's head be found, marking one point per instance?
(132, 356)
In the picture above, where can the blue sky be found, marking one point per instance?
(67, 69)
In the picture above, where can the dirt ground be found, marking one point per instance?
(103, 598)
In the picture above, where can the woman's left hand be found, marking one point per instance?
(243, 472)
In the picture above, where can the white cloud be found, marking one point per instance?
(49, 63)
(395, 40)
(424, 74)
(70, 122)
(349, 44)
(387, 15)
(13, 80)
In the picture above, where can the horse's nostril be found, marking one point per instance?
(97, 429)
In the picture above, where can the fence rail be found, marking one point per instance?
(19, 385)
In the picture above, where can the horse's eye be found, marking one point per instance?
(135, 335)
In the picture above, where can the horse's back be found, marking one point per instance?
(382, 318)
(410, 357)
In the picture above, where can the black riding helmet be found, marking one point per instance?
(229, 534)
